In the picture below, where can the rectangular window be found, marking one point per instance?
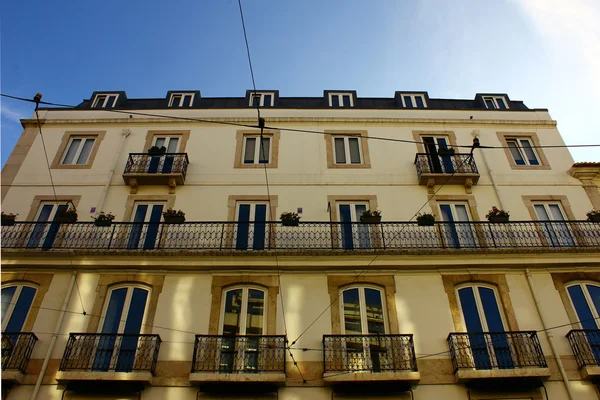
(255, 151)
(341, 100)
(78, 151)
(347, 150)
(261, 99)
(495, 103)
(105, 101)
(181, 100)
(414, 101)
(171, 143)
(522, 152)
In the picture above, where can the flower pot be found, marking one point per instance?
(425, 221)
(65, 219)
(594, 218)
(372, 219)
(498, 218)
(102, 222)
(8, 222)
(289, 222)
(176, 219)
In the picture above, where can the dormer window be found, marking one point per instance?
(261, 99)
(413, 101)
(341, 100)
(181, 100)
(105, 100)
(495, 103)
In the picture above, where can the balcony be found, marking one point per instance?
(167, 169)
(308, 236)
(495, 356)
(16, 352)
(585, 344)
(452, 169)
(238, 359)
(109, 357)
(369, 358)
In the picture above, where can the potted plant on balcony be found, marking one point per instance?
(370, 217)
(496, 215)
(593, 215)
(67, 216)
(8, 219)
(157, 151)
(103, 219)
(290, 219)
(425, 219)
(174, 217)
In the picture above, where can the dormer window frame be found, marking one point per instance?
(496, 101)
(261, 96)
(413, 99)
(182, 96)
(340, 97)
(104, 97)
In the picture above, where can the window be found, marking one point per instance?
(556, 232)
(16, 302)
(251, 230)
(434, 145)
(181, 100)
(413, 101)
(341, 100)
(144, 234)
(171, 143)
(261, 99)
(257, 151)
(363, 311)
(522, 152)
(347, 150)
(105, 100)
(78, 150)
(44, 233)
(495, 103)
(353, 234)
(457, 231)
(585, 297)
(243, 311)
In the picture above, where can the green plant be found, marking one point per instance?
(104, 217)
(290, 216)
(172, 213)
(70, 212)
(593, 214)
(371, 213)
(425, 219)
(7, 217)
(495, 212)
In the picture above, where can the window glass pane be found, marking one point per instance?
(114, 311)
(255, 100)
(264, 151)
(461, 213)
(160, 141)
(7, 295)
(45, 213)
(335, 101)
(346, 100)
(340, 152)
(595, 295)
(250, 150)
(374, 310)
(73, 147)
(352, 322)
(19, 313)
(85, 152)
(135, 314)
(515, 152)
(186, 101)
(501, 104)
(541, 212)
(446, 213)
(419, 101)
(581, 307)
(100, 101)
(408, 101)
(491, 310)
(175, 100)
(529, 152)
(233, 308)
(469, 308)
(557, 215)
(256, 309)
(172, 147)
(489, 103)
(267, 100)
(354, 151)
(111, 101)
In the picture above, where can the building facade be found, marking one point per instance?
(235, 303)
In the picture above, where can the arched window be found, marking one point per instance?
(363, 310)
(585, 297)
(16, 303)
(243, 311)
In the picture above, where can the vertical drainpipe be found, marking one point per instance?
(475, 133)
(38, 384)
(550, 336)
(124, 135)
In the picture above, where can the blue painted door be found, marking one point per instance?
(457, 231)
(38, 231)
(586, 301)
(558, 234)
(353, 233)
(16, 303)
(251, 229)
(145, 227)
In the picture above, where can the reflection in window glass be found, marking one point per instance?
(256, 307)
(352, 316)
(374, 309)
(340, 151)
(233, 308)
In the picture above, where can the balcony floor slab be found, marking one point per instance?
(467, 375)
(387, 376)
(13, 376)
(590, 372)
(70, 376)
(216, 377)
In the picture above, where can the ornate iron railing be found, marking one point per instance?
(169, 163)
(445, 164)
(306, 236)
(368, 353)
(103, 352)
(239, 354)
(585, 344)
(16, 350)
(496, 350)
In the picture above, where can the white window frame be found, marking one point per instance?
(495, 100)
(15, 298)
(340, 97)
(252, 209)
(453, 205)
(413, 99)
(244, 307)
(353, 215)
(167, 140)
(84, 139)
(479, 305)
(546, 205)
(521, 151)
(182, 97)
(258, 147)
(126, 305)
(347, 149)
(261, 96)
(586, 295)
(52, 213)
(104, 97)
(363, 307)
(150, 204)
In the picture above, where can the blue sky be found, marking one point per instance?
(544, 52)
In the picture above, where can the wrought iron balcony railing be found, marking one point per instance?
(239, 354)
(16, 350)
(369, 353)
(306, 236)
(104, 352)
(445, 164)
(496, 350)
(170, 163)
(585, 344)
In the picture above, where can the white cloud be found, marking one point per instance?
(12, 114)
